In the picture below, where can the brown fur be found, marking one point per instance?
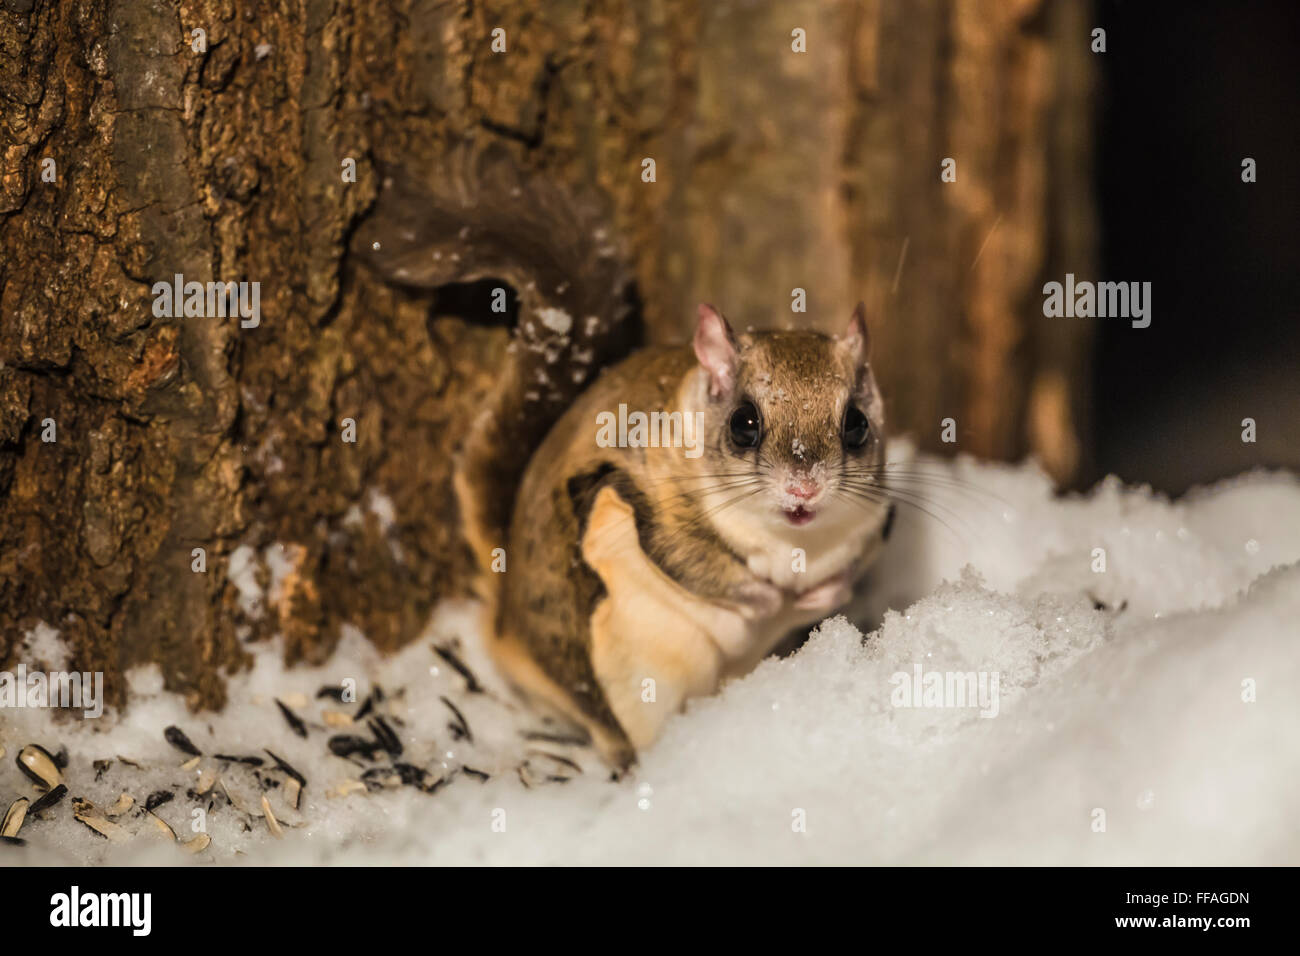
(596, 532)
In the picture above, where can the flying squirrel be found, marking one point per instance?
(640, 577)
(622, 578)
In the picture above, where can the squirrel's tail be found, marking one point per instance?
(483, 217)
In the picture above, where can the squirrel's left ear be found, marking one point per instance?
(856, 344)
(715, 348)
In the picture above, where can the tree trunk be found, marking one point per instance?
(160, 473)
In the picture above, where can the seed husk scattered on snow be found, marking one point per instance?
(344, 787)
(376, 696)
(123, 803)
(14, 817)
(382, 778)
(85, 812)
(234, 802)
(233, 758)
(386, 736)
(382, 745)
(294, 721)
(272, 823)
(531, 775)
(471, 682)
(48, 799)
(419, 777)
(162, 825)
(410, 773)
(176, 737)
(345, 745)
(198, 844)
(543, 736)
(283, 765)
(206, 780)
(460, 726)
(35, 761)
(558, 758)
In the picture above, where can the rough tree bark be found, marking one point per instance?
(223, 160)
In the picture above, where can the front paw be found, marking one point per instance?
(759, 599)
(827, 596)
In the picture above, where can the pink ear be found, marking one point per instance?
(857, 346)
(855, 341)
(715, 347)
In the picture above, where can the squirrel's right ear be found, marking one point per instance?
(855, 340)
(715, 347)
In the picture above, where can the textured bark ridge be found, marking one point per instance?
(222, 157)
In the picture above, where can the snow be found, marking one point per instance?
(242, 573)
(1144, 713)
(557, 320)
(42, 647)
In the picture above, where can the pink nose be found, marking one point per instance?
(804, 489)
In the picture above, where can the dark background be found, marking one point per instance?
(1187, 92)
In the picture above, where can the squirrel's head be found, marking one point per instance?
(797, 412)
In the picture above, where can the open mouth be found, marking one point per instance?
(799, 515)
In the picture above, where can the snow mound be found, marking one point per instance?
(1098, 679)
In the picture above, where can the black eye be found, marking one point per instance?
(856, 427)
(745, 426)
